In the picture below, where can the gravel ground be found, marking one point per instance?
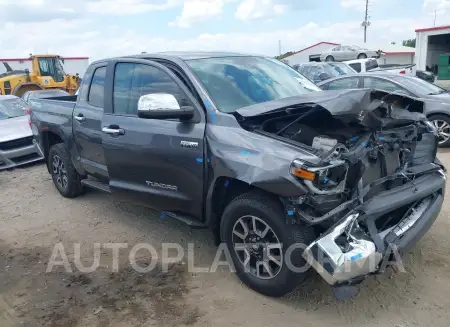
(34, 217)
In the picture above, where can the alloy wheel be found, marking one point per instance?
(443, 130)
(59, 171)
(257, 247)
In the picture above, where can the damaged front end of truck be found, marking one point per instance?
(375, 185)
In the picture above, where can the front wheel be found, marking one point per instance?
(65, 177)
(329, 58)
(266, 252)
(442, 124)
(362, 56)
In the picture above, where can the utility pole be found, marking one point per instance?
(366, 22)
(435, 13)
(279, 47)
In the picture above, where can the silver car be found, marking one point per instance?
(17, 144)
(345, 52)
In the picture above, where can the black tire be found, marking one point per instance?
(329, 58)
(443, 143)
(271, 212)
(362, 56)
(73, 187)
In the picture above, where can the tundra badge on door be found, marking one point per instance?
(164, 186)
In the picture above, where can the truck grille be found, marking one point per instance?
(14, 144)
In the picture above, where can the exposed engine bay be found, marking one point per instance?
(376, 176)
(355, 149)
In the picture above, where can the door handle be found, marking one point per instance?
(80, 117)
(113, 131)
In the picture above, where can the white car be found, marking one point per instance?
(17, 144)
(371, 65)
(345, 52)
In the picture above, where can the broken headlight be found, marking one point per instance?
(329, 179)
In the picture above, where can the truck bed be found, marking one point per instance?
(54, 111)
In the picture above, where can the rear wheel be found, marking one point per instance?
(329, 58)
(362, 56)
(65, 177)
(254, 229)
(442, 124)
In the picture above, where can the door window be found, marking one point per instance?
(356, 66)
(97, 89)
(381, 84)
(131, 81)
(371, 64)
(345, 83)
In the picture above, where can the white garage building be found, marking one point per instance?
(72, 65)
(394, 54)
(430, 43)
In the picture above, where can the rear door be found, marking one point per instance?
(157, 162)
(346, 53)
(87, 118)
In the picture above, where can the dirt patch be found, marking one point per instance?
(34, 217)
(31, 297)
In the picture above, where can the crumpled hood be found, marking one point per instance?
(354, 104)
(14, 128)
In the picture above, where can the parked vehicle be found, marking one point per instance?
(47, 73)
(27, 96)
(247, 146)
(345, 52)
(426, 76)
(17, 144)
(371, 65)
(321, 71)
(436, 99)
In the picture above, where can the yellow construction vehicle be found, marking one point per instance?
(47, 73)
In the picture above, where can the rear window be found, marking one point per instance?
(356, 66)
(47, 94)
(371, 64)
(12, 108)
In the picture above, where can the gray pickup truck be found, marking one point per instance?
(286, 175)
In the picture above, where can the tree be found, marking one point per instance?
(284, 55)
(409, 43)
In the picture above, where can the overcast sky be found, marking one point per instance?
(103, 28)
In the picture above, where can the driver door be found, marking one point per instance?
(346, 53)
(147, 159)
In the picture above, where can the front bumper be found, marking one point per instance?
(20, 156)
(369, 249)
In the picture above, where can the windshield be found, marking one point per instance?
(237, 82)
(12, 108)
(419, 86)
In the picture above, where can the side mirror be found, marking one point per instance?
(162, 106)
